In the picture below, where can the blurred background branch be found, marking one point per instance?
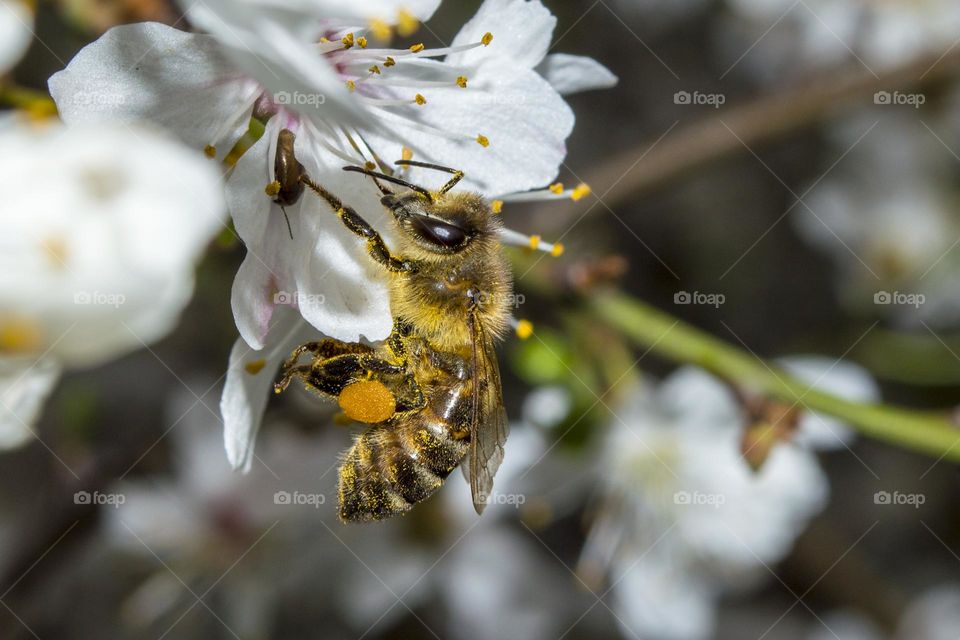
(662, 334)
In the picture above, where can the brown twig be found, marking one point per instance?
(732, 130)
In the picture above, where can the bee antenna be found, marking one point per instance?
(287, 218)
(403, 183)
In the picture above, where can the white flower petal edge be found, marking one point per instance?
(249, 384)
(572, 74)
(16, 32)
(522, 31)
(25, 384)
(155, 73)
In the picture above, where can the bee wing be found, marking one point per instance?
(488, 424)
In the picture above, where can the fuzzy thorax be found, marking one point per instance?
(440, 296)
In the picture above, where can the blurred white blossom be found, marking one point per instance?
(682, 518)
(933, 615)
(16, 32)
(887, 217)
(101, 231)
(795, 35)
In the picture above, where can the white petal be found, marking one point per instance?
(281, 61)
(249, 384)
(572, 74)
(152, 72)
(659, 598)
(25, 384)
(102, 261)
(521, 30)
(16, 24)
(324, 270)
(524, 118)
(341, 290)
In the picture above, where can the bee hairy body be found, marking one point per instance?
(450, 293)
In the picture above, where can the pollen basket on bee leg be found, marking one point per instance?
(367, 401)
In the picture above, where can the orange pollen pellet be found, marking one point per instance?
(368, 401)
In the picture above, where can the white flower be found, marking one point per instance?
(101, 229)
(485, 109)
(683, 516)
(16, 32)
(193, 85)
(886, 217)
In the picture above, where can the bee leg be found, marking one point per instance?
(457, 174)
(376, 247)
(330, 376)
(326, 348)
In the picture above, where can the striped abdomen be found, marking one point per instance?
(403, 461)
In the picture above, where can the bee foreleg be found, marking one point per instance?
(376, 247)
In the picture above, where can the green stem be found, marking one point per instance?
(671, 338)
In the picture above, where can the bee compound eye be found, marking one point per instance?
(443, 234)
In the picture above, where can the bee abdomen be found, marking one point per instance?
(392, 467)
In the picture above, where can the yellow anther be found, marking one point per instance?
(483, 140)
(420, 100)
(18, 335)
(351, 85)
(417, 48)
(272, 189)
(370, 165)
(389, 62)
(380, 29)
(347, 40)
(524, 329)
(557, 188)
(407, 153)
(254, 367)
(55, 248)
(462, 82)
(486, 39)
(534, 242)
(210, 151)
(581, 192)
(557, 250)
(374, 69)
(497, 206)
(362, 41)
(407, 23)
(324, 40)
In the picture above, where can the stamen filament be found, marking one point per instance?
(517, 239)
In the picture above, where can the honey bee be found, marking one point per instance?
(431, 393)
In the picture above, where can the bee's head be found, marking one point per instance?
(455, 223)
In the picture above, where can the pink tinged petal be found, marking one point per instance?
(252, 300)
(155, 73)
(284, 62)
(24, 387)
(249, 384)
(573, 74)
(521, 30)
